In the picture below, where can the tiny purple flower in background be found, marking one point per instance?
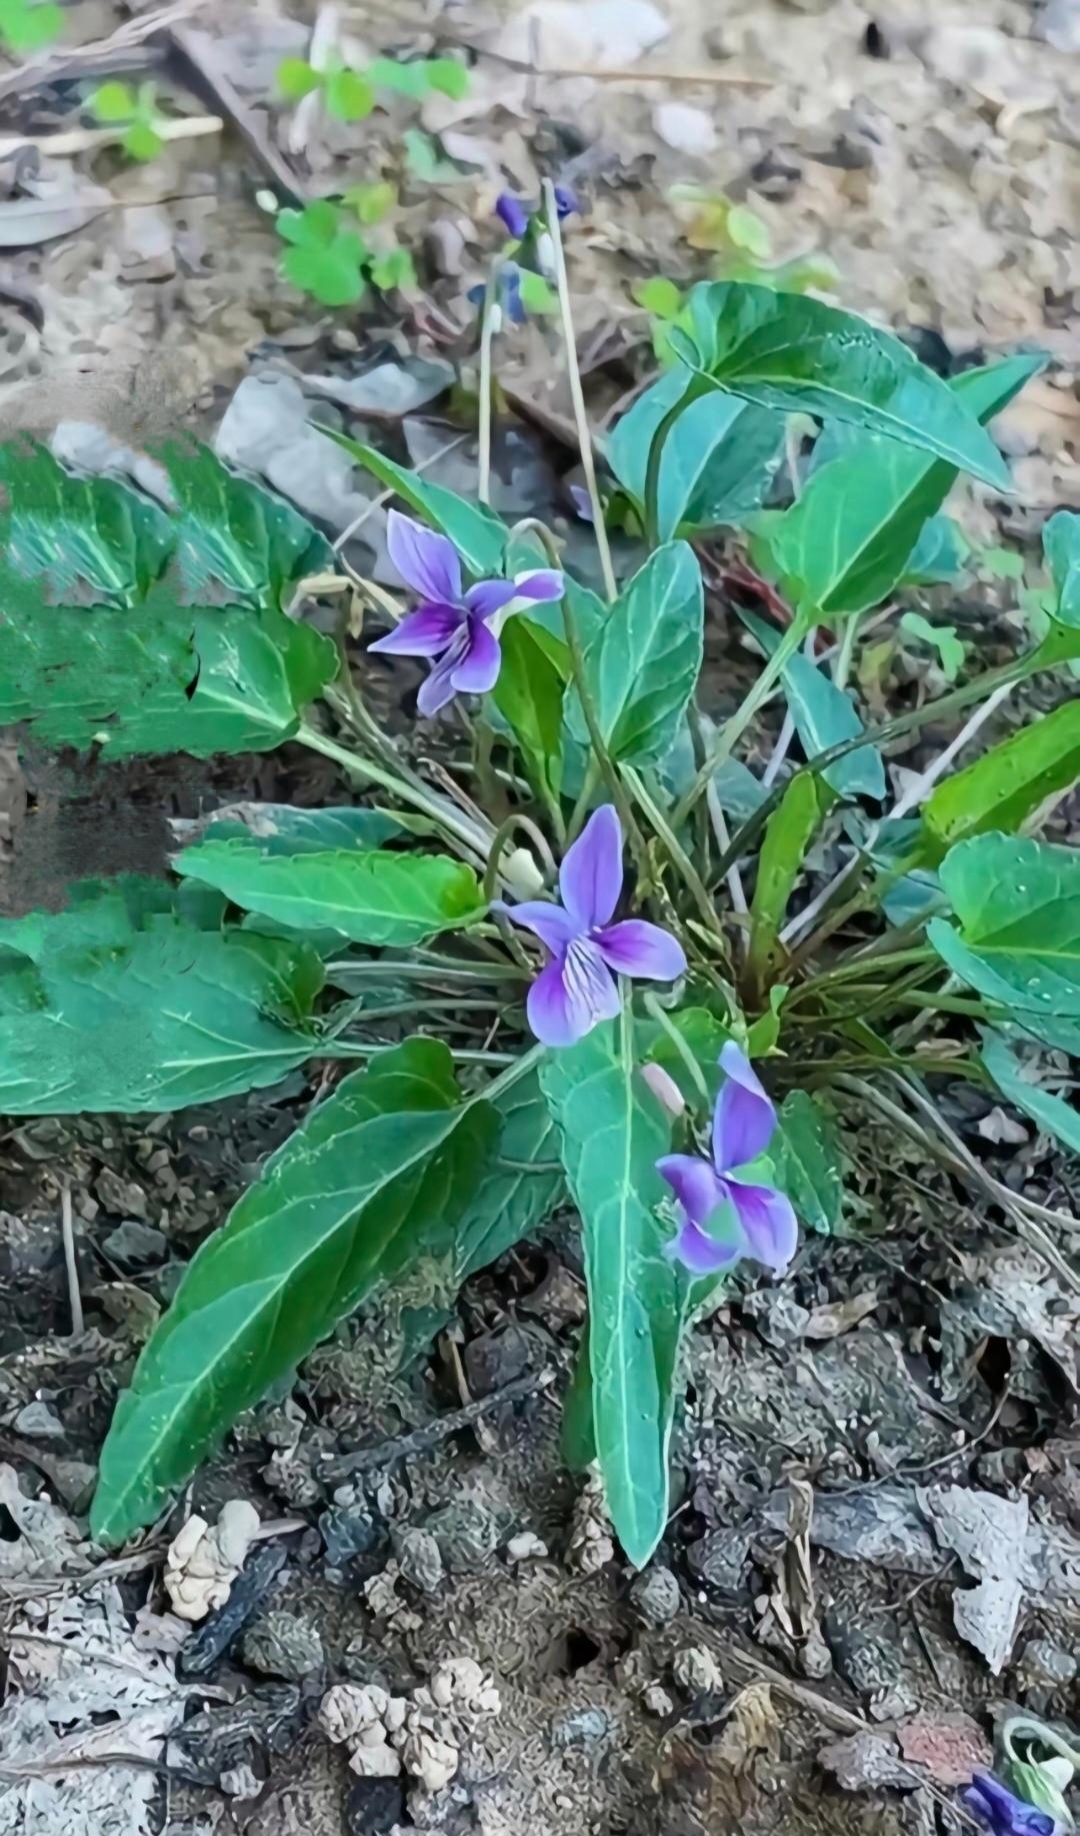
(565, 202)
(452, 627)
(512, 213)
(1004, 1814)
(582, 503)
(761, 1221)
(577, 988)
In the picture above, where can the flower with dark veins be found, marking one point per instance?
(577, 988)
(724, 1217)
(457, 629)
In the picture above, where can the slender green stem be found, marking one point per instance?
(848, 972)
(734, 727)
(577, 397)
(694, 883)
(370, 1048)
(1031, 1729)
(608, 769)
(470, 835)
(663, 1020)
(487, 334)
(846, 652)
(386, 969)
(355, 1011)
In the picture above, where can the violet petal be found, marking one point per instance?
(744, 1118)
(694, 1183)
(437, 690)
(700, 1253)
(546, 920)
(558, 1013)
(512, 214)
(635, 947)
(546, 583)
(490, 596)
(478, 668)
(591, 991)
(591, 875)
(566, 202)
(1004, 1814)
(426, 561)
(425, 633)
(769, 1222)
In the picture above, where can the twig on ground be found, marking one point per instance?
(125, 50)
(67, 1231)
(423, 1440)
(85, 140)
(195, 51)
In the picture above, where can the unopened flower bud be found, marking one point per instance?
(495, 318)
(545, 255)
(664, 1089)
(522, 875)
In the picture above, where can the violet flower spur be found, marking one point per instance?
(457, 629)
(758, 1221)
(1003, 1813)
(577, 988)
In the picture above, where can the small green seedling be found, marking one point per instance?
(328, 256)
(349, 95)
(941, 638)
(136, 111)
(25, 27)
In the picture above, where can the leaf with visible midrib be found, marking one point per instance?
(343, 1206)
(850, 537)
(1018, 943)
(122, 1003)
(643, 662)
(798, 355)
(477, 534)
(718, 460)
(611, 1141)
(372, 897)
(1001, 789)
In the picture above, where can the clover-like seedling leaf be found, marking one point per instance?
(325, 259)
(349, 96)
(296, 78)
(29, 28)
(393, 269)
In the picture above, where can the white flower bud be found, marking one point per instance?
(545, 255)
(522, 875)
(664, 1089)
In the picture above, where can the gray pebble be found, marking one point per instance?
(420, 1560)
(656, 1596)
(283, 1645)
(585, 1727)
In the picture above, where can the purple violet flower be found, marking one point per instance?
(577, 988)
(458, 629)
(512, 214)
(566, 202)
(757, 1221)
(1002, 1812)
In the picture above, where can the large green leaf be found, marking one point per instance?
(371, 897)
(788, 834)
(798, 355)
(87, 541)
(718, 460)
(281, 828)
(477, 533)
(237, 544)
(1017, 903)
(825, 715)
(517, 1192)
(344, 1206)
(807, 1163)
(125, 1002)
(1000, 790)
(611, 1139)
(1061, 545)
(856, 529)
(642, 664)
(1050, 1113)
(129, 662)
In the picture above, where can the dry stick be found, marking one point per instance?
(723, 842)
(423, 1440)
(200, 61)
(85, 140)
(67, 1231)
(125, 50)
(911, 799)
(574, 378)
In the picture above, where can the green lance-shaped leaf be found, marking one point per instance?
(798, 355)
(516, 1194)
(788, 834)
(1052, 1114)
(642, 664)
(856, 529)
(807, 1162)
(1061, 546)
(345, 1205)
(477, 534)
(1017, 936)
(1004, 787)
(126, 1002)
(718, 460)
(371, 897)
(611, 1138)
(529, 696)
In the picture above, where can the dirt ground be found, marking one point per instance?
(875, 1548)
